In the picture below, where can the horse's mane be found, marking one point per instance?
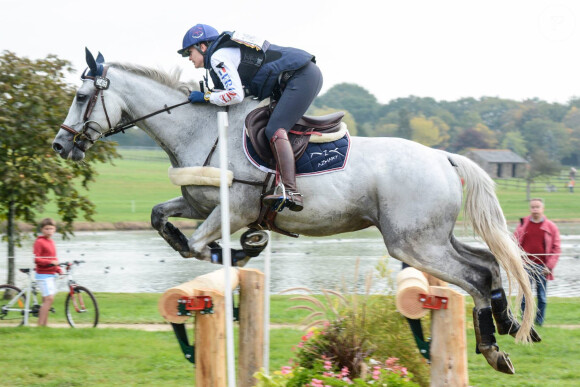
(170, 79)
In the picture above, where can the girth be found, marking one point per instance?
(299, 135)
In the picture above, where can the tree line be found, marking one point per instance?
(525, 127)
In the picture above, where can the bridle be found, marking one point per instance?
(102, 83)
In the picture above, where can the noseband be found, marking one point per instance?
(101, 84)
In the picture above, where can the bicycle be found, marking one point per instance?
(81, 308)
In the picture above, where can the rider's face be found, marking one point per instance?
(196, 57)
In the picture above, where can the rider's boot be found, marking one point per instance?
(287, 166)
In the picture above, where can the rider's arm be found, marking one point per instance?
(225, 63)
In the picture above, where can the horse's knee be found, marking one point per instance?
(158, 217)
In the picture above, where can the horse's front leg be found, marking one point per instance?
(177, 207)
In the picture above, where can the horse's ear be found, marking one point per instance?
(100, 58)
(91, 61)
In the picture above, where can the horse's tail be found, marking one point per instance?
(482, 208)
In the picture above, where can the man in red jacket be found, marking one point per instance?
(46, 267)
(540, 239)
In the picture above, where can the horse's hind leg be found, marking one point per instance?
(506, 322)
(473, 276)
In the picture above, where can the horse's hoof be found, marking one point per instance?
(253, 242)
(504, 364)
(186, 254)
(500, 361)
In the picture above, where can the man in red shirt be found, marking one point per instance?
(46, 267)
(540, 239)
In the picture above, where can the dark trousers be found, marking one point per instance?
(541, 283)
(300, 91)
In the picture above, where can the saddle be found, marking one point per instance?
(299, 135)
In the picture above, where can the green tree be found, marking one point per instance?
(515, 142)
(547, 135)
(404, 130)
(353, 98)
(540, 165)
(429, 131)
(479, 136)
(34, 100)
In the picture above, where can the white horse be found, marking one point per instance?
(410, 192)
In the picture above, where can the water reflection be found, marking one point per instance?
(140, 261)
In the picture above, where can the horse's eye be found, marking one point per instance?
(81, 97)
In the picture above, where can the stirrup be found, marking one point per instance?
(285, 198)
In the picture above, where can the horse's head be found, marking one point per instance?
(96, 109)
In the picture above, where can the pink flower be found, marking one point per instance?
(327, 365)
(286, 370)
(391, 361)
(316, 383)
(328, 374)
(344, 371)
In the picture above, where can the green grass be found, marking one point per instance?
(129, 189)
(123, 357)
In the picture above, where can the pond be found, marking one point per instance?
(141, 261)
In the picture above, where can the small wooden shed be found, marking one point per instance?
(499, 163)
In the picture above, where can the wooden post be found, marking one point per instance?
(210, 328)
(212, 281)
(448, 343)
(210, 343)
(251, 333)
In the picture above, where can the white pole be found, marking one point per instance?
(266, 360)
(226, 253)
(28, 298)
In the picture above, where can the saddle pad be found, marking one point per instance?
(318, 158)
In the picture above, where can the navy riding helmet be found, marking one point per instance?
(197, 34)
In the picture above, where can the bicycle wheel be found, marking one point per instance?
(11, 307)
(81, 308)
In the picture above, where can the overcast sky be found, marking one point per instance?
(428, 48)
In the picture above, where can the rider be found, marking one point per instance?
(240, 65)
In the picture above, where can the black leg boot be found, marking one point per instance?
(506, 323)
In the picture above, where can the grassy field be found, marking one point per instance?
(129, 189)
(125, 357)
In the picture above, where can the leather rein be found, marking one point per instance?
(102, 83)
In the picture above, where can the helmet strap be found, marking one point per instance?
(198, 48)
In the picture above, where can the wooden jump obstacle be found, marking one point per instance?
(416, 294)
(205, 295)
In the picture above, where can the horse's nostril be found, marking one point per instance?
(57, 147)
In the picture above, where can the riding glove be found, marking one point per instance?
(198, 97)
